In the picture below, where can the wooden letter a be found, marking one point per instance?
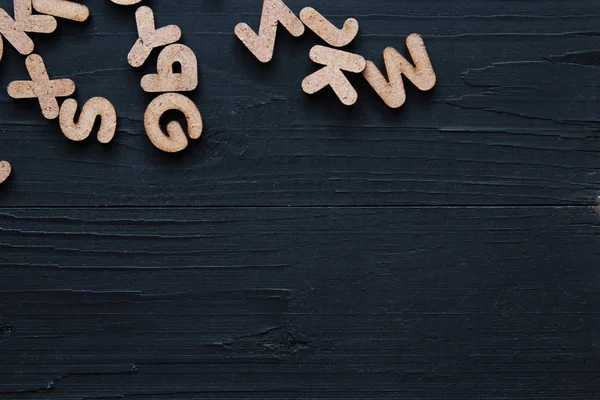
(168, 81)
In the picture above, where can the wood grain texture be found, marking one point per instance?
(284, 303)
(301, 249)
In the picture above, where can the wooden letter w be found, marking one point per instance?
(421, 75)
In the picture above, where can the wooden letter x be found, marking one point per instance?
(335, 62)
(263, 44)
(422, 74)
(42, 87)
(150, 37)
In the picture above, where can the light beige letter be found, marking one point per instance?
(176, 140)
(168, 81)
(94, 108)
(421, 75)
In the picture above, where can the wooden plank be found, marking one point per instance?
(283, 303)
(512, 120)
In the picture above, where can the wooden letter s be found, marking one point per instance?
(95, 107)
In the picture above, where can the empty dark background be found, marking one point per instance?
(301, 249)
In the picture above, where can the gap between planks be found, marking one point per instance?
(311, 207)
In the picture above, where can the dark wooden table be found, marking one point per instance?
(302, 249)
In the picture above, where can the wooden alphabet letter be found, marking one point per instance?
(5, 170)
(263, 44)
(42, 87)
(150, 37)
(125, 2)
(25, 21)
(15, 34)
(32, 23)
(176, 139)
(62, 9)
(94, 108)
(326, 30)
(421, 75)
(335, 62)
(168, 81)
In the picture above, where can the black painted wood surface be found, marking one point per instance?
(302, 249)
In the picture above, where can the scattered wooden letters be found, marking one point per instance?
(41, 86)
(336, 61)
(166, 81)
